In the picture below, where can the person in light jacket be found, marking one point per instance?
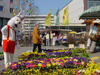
(92, 42)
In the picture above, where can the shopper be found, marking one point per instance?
(47, 39)
(36, 38)
(90, 41)
(54, 40)
(51, 38)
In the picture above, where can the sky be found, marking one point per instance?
(45, 5)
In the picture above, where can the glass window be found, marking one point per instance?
(11, 10)
(97, 3)
(5, 21)
(93, 0)
(1, 23)
(1, 8)
(91, 3)
(11, 1)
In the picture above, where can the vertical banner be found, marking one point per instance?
(48, 19)
(57, 17)
(66, 17)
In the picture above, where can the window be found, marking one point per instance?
(1, 8)
(1, 23)
(11, 1)
(91, 3)
(11, 10)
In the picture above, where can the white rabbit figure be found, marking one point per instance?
(9, 32)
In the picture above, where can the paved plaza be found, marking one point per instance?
(18, 52)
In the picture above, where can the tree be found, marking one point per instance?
(27, 7)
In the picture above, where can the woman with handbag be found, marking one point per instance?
(92, 37)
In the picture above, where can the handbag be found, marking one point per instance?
(93, 36)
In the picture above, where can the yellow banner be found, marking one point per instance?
(48, 19)
(66, 17)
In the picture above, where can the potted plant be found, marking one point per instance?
(71, 41)
(82, 42)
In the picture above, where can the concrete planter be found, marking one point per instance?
(81, 45)
(71, 46)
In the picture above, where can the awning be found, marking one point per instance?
(50, 30)
(91, 13)
(55, 30)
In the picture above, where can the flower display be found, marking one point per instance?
(55, 62)
(35, 55)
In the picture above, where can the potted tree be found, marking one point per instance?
(82, 42)
(71, 41)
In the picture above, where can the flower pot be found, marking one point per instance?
(81, 45)
(71, 46)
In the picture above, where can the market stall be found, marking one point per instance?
(92, 16)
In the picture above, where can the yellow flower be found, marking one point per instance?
(30, 61)
(19, 62)
(53, 64)
(48, 65)
(35, 52)
(39, 64)
(32, 52)
(75, 60)
(41, 61)
(66, 57)
(46, 72)
(23, 53)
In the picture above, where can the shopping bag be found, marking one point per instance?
(93, 37)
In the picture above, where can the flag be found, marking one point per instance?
(57, 17)
(48, 19)
(65, 17)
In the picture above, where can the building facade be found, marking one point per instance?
(75, 9)
(6, 10)
(29, 22)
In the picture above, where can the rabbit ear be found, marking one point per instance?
(19, 13)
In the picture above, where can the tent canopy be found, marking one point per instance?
(91, 13)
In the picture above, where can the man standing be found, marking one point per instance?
(47, 39)
(51, 38)
(36, 38)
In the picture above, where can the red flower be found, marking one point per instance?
(95, 72)
(35, 65)
(48, 59)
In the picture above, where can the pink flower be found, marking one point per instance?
(79, 63)
(44, 61)
(13, 63)
(43, 65)
(37, 60)
(27, 66)
(75, 63)
(14, 66)
(31, 65)
(62, 64)
(48, 62)
(22, 64)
